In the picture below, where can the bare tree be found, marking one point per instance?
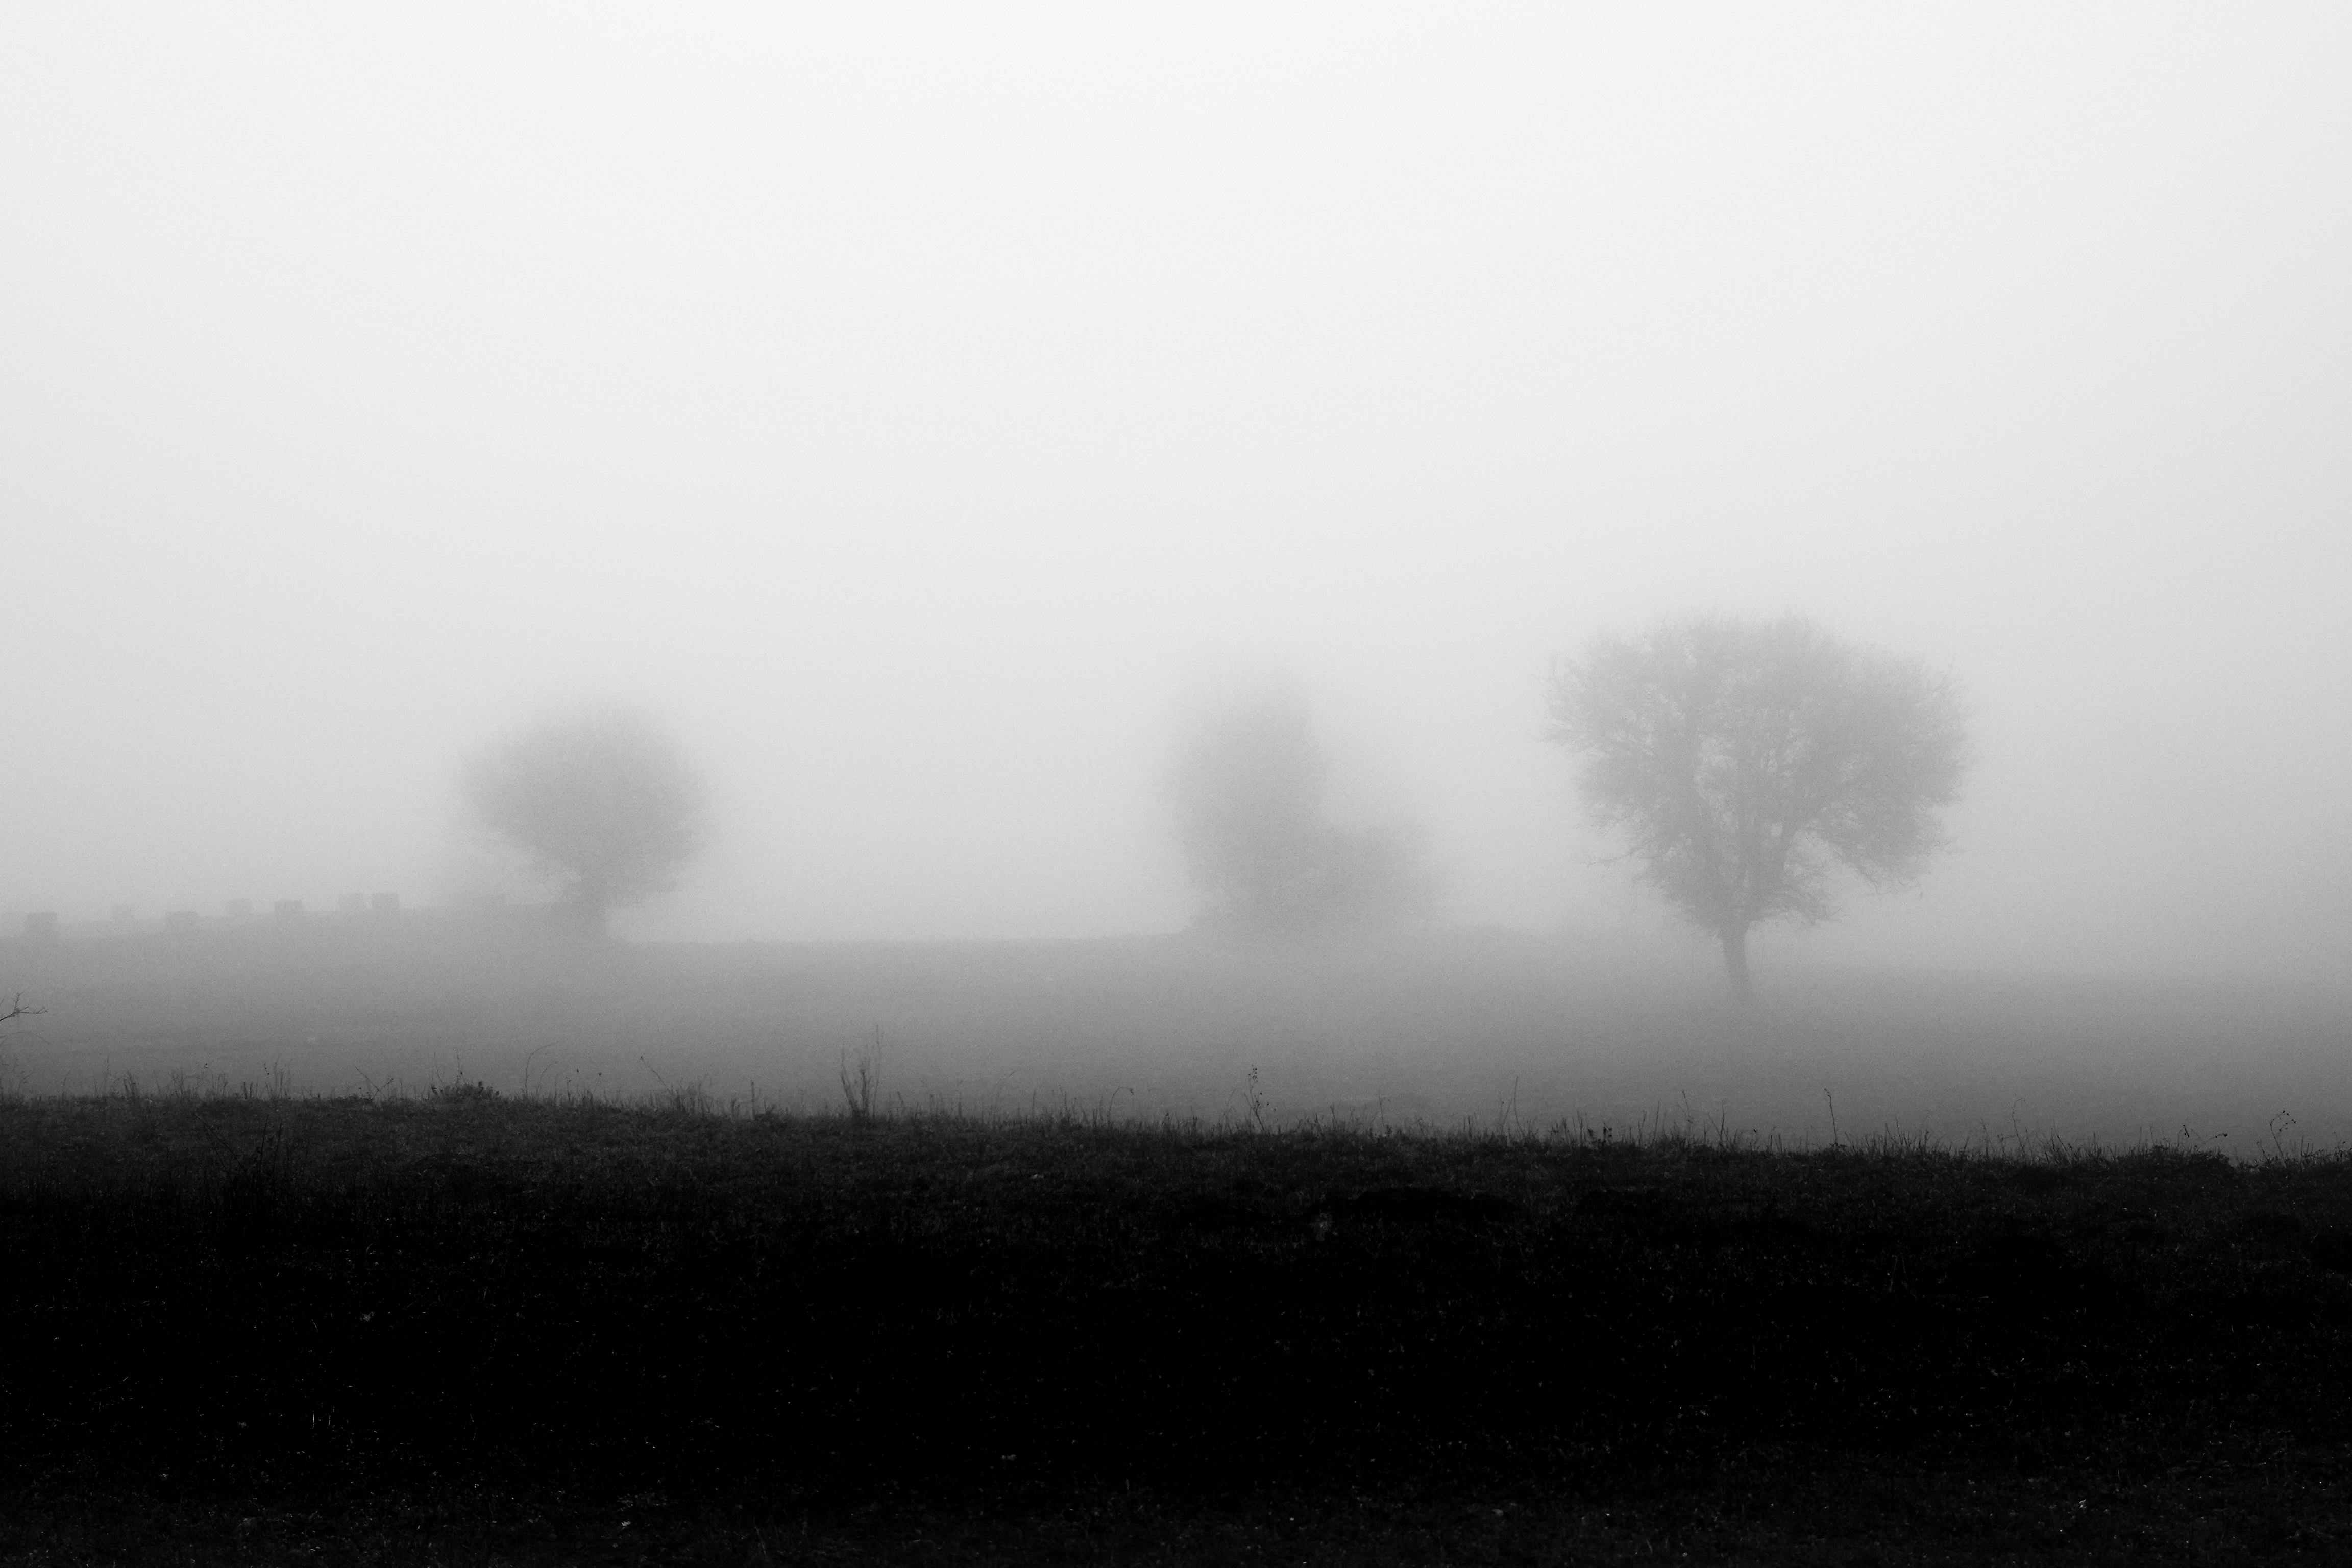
(1248, 789)
(1747, 760)
(601, 802)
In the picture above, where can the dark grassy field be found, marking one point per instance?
(470, 1329)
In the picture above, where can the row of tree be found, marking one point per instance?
(1744, 763)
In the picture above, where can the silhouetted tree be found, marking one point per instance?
(601, 802)
(1248, 785)
(1747, 759)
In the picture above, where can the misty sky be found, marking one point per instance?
(908, 400)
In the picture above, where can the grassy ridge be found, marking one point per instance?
(231, 1299)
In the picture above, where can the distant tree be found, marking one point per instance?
(1747, 759)
(601, 802)
(1248, 788)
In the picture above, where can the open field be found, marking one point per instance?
(429, 1241)
(1476, 1026)
(465, 1329)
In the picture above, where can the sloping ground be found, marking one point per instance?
(475, 1328)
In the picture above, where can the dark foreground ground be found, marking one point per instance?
(472, 1330)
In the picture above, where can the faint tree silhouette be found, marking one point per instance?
(1747, 759)
(1248, 785)
(600, 801)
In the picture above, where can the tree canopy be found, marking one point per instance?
(601, 802)
(1746, 760)
(1248, 785)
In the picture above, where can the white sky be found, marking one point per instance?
(905, 400)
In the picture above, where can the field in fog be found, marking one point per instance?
(1437, 1029)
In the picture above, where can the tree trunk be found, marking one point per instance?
(1734, 960)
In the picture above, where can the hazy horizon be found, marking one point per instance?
(908, 404)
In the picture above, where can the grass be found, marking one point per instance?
(465, 1327)
(1436, 1028)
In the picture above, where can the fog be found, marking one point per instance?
(907, 402)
